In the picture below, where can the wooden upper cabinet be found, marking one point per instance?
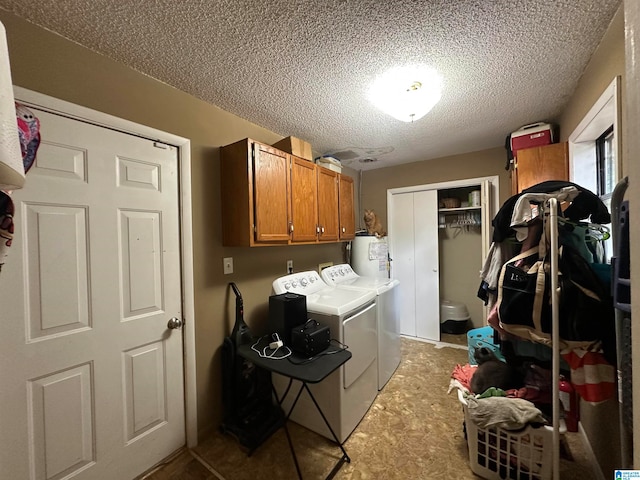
(327, 204)
(538, 164)
(304, 200)
(346, 214)
(271, 201)
(254, 185)
(270, 197)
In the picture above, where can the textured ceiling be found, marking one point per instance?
(303, 67)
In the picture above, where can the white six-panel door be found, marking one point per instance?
(92, 377)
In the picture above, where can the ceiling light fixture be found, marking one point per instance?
(407, 93)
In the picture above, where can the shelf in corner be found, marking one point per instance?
(459, 209)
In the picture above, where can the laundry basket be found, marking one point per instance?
(482, 337)
(495, 453)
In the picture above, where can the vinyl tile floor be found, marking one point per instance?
(413, 431)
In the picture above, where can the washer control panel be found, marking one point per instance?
(338, 273)
(302, 283)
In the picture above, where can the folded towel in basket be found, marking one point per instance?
(503, 412)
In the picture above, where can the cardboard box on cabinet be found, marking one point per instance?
(296, 147)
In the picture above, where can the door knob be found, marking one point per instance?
(174, 323)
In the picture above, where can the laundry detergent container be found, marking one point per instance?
(454, 317)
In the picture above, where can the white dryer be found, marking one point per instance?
(387, 313)
(346, 394)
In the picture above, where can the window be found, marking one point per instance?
(606, 174)
(594, 148)
(606, 162)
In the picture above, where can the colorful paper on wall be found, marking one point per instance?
(11, 166)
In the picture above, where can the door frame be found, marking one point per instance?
(77, 112)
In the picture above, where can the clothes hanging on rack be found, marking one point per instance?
(525, 209)
(587, 329)
(586, 204)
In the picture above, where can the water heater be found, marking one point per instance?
(370, 256)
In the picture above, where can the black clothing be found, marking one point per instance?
(584, 205)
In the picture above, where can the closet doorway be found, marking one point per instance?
(437, 252)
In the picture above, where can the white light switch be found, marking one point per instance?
(227, 264)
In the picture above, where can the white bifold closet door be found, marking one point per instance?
(413, 226)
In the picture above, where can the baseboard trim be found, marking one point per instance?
(436, 343)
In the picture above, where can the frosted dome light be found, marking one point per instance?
(407, 93)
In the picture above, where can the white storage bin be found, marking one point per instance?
(453, 317)
(331, 163)
(496, 454)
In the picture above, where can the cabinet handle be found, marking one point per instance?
(290, 227)
(344, 229)
(317, 228)
(321, 229)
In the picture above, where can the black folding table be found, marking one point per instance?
(296, 368)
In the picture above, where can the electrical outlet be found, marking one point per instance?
(322, 266)
(289, 266)
(227, 265)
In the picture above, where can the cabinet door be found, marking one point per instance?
(304, 200)
(271, 194)
(346, 214)
(328, 204)
(537, 164)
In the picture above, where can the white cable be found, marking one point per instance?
(279, 345)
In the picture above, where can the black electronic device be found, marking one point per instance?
(286, 311)
(310, 339)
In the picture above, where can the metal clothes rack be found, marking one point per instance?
(555, 331)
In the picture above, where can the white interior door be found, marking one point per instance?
(427, 284)
(402, 245)
(92, 377)
(413, 237)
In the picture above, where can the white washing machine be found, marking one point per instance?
(387, 313)
(346, 394)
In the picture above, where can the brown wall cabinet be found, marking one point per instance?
(304, 200)
(327, 205)
(538, 164)
(270, 197)
(347, 211)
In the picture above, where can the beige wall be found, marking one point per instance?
(485, 163)
(49, 64)
(606, 63)
(600, 422)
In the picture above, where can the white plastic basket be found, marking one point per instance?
(495, 453)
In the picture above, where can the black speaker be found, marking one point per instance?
(286, 311)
